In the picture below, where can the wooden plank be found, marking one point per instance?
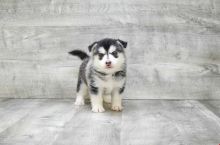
(168, 81)
(13, 110)
(172, 81)
(161, 64)
(3, 99)
(213, 105)
(59, 122)
(69, 13)
(23, 79)
(41, 125)
(173, 46)
(88, 128)
(168, 122)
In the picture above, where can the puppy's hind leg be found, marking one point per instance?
(82, 91)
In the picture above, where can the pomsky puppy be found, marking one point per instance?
(102, 74)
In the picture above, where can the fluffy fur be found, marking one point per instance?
(102, 74)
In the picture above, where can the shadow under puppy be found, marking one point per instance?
(102, 74)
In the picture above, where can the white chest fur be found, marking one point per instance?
(108, 83)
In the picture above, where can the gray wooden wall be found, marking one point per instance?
(173, 46)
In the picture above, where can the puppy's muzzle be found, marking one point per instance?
(108, 64)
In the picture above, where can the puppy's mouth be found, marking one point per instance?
(108, 66)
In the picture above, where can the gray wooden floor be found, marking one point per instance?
(143, 122)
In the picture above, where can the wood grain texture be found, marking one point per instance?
(173, 46)
(143, 122)
(87, 128)
(40, 125)
(12, 111)
(169, 122)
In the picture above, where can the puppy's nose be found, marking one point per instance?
(108, 62)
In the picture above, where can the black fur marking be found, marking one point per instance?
(115, 54)
(121, 90)
(82, 55)
(93, 90)
(106, 43)
(120, 74)
(124, 44)
(101, 73)
(91, 46)
(91, 75)
(101, 56)
(82, 72)
(78, 84)
(92, 87)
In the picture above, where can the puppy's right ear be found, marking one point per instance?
(91, 46)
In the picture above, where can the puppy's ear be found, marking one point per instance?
(123, 43)
(91, 46)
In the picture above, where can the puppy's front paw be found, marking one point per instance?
(98, 108)
(79, 101)
(117, 108)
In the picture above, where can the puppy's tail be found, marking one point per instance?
(81, 54)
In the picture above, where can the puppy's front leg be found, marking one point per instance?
(96, 99)
(116, 100)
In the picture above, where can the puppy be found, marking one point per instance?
(102, 74)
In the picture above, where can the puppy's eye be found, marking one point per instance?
(115, 54)
(100, 55)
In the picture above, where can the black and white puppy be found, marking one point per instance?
(102, 74)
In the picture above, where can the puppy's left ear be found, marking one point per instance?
(91, 46)
(123, 43)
